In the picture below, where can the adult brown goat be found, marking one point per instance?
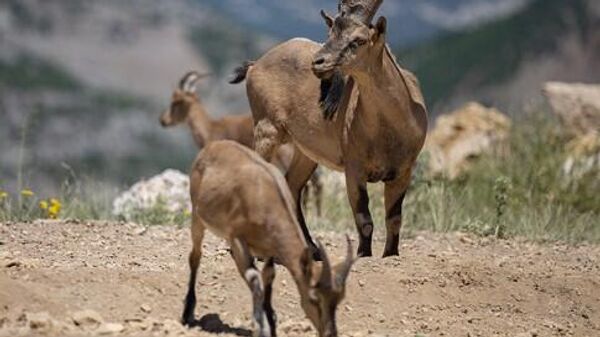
(186, 107)
(243, 199)
(361, 114)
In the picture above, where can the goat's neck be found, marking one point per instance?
(200, 124)
(382, 92)
(298, 274)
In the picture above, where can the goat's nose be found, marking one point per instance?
(319, 61)
(163, 122)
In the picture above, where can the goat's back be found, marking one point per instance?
(282, 89)
(238, 194)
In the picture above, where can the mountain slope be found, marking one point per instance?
(548, 39)
(409, 21)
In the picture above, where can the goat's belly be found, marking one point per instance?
(330, 161)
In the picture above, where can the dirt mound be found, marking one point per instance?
(121, 279)
(463, 135)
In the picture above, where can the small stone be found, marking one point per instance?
(110, 328)
(146, 308)
(41, 320)
(361, 283)
(466, 240)
(87, 318)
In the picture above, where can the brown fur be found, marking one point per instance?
(245, 200)
(186, 107)
(376, 133)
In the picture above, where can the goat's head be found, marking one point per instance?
(325, 288)
(353, 42)
(184, 97)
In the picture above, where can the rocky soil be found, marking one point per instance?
(82, 279)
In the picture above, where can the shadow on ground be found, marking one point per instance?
(212, 323)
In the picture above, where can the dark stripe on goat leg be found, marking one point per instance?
(364, 223)
(393, 223)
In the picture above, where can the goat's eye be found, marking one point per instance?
(357, 43)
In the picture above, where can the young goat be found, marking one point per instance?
(245, 200)
(187, 107)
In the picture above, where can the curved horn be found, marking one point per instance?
(362, 10)
(344, 269)
(326, 275)
(189, 80)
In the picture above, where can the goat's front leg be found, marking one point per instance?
(359, 201)
(245, 264)
(394, 193)
(268, 275)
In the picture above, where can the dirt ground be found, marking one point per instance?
(100, 278)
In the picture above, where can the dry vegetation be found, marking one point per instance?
(525, 194)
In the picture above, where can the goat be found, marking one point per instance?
(243, 199)
(187, 107)
(345, 104)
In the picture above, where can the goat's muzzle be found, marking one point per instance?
(165, 120)
(322, 68)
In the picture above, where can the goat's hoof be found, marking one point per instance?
(364, 253)
(390, 253)
(188, 321)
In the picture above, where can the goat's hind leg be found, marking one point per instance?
(245, 264)
(267, 139)
(268, 275)
(194, 261)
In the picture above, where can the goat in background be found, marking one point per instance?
(186, 107)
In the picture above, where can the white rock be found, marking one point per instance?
(169, 189)
(576, 104)
(110, 328)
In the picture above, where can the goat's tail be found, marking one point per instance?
(239, 74)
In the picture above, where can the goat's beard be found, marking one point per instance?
(332, 90)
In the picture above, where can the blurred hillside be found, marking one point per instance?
(504, 63)
(83, 82)
(409, 21)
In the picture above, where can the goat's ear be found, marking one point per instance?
(380, 28)
(328, 18)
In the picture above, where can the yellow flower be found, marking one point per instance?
(54, 209)
(27, 193)
(43, 204)
(3, 195)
